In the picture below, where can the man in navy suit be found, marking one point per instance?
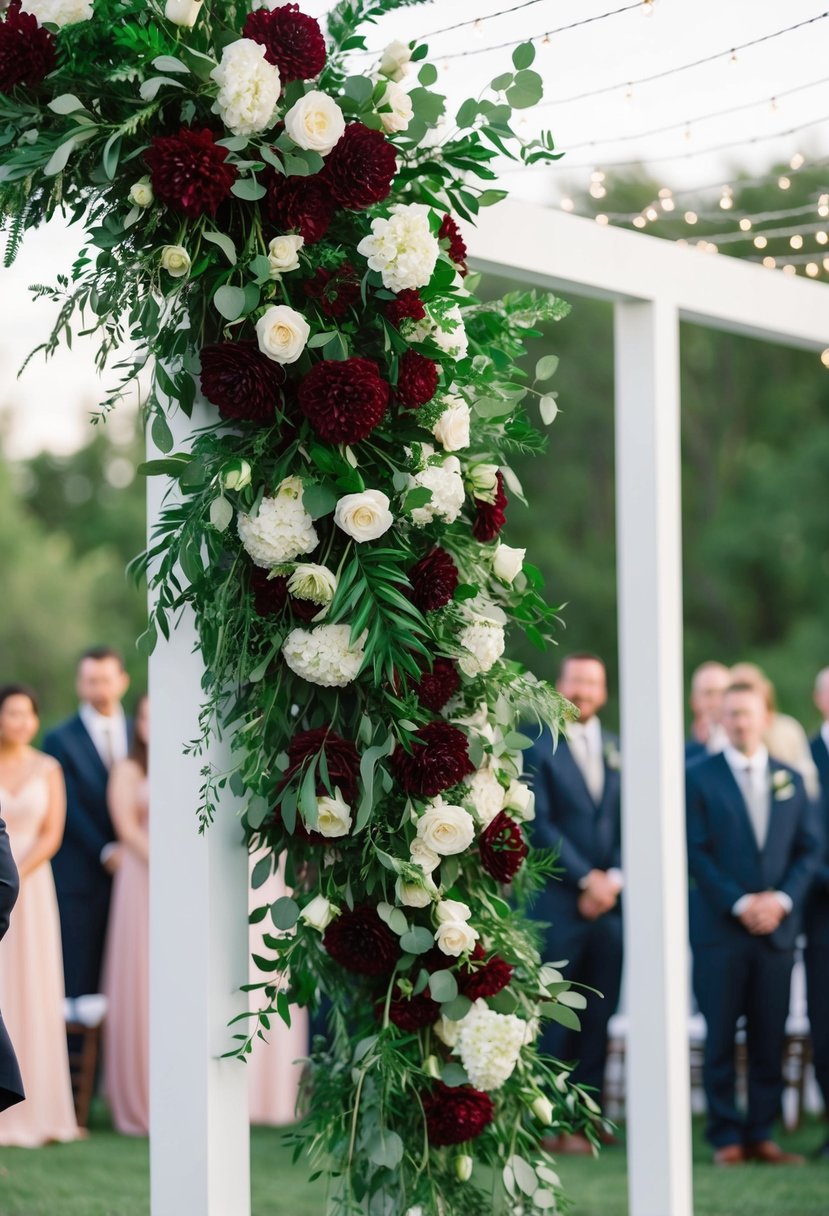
(86, 747)
(752, 855)
(577, 788)
(817, 910)
(708, 684)
(11, 1086)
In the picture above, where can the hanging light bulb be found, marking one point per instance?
(602, 219)
(639, 221)
(691, 217)
(597, 175)
(745, 224)
(760, 242)
(797, 161)
(647, 7)
(567, 204)
(732, 57)
(823, 206)
(789, 270)
(826, 263)
(597, 190)
(821, 237)
(652, 214)
(726, 199)
(769, 263)
(784, 182)
(812, 270)
(824, 358)
(667, 204)
(681, 241)
(796, 241)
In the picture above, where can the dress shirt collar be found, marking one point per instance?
(591, 730)
(94, 721)
(738, 763)
(824, 733)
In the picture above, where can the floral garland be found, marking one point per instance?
(279, 236)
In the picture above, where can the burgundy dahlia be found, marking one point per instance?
(360, 169)
(344, 400)
(487, 979)
(413, 1013)
(406, 305)
(433, 580)
(335, 291)
(450, 231)
(417, 380)
(455, 1115)
(439, 759)
(359, 941)
(292, 41)
(242, 382)
(269, 594)
(303, 204)
(503, 848)
(341, 758)
(27, 51)
(439, 685)
(189, 172)
(490, 517)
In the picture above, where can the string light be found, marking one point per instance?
(796, 241)
(745, 224)
(691, 217)
(652, 213)
(760, 242)
(824, 358)
(812, 270)
(639, 221)
(602, 219)
(726, 198)
(769, 262)
(789, 270)
(797, 161)
(821, 238)
(784, 182)
(567, 204)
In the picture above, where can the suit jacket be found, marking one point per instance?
(77, 863)
(726, 863)
(587, 836)
(817, 908)
(11, 1085)
(694, 751)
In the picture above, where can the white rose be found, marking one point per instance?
(508, 562)
(487, 795)
(452, 909)
(415, 894)
(333, 816)
(521, 800)
(249, 88)
(311, 582)
(400, 115)
(236, 475)
(452, 428)
(283, 254)
(183, 12)
(423, 856)
(542, 1108)
(319, 913)
(364, 516)
(59, 12)
(395, 57)
(141, 193)
(175, 260)
(282, 333)
(483, 481)
(446, 829)
(455, 937)
(315, 122)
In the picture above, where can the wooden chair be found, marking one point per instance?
(84, 1044)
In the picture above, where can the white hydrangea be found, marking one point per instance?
(403, 247)
(324, 655)
(483, 641)
(487, 795)
(281, 529)
(59, 12)
(446, 483)
(449, 334)
(249, 88)
(489, 1045)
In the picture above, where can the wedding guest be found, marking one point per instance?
(784, 737)
(11, 1083)
(87, 747)
(577, 799)
(31, 974)
(708, 684)
(817, 912)
(752, 854)
(127, 956)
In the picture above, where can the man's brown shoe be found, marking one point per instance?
(729, 1154)
(570, 1144)
(769, 1153)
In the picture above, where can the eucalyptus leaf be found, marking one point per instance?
(285, 913)
(417, 941)
(224, 242)
(229, 302)
(221, 513)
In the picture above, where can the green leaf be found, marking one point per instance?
(560, 1013)
(110, 155)
(443, 986)
(168, 63)
(548, 407)
(145, 644)
(261, 872)
(502, 82)
(527, 91)
(523, 55)
(285, 913)
(418, 497)
(358, 88)
(229, 302)
(387, 1150)
(524, 1175)
(454, 1075)
(418, 941)
(248, 189)
(488, 198)
(546, 367)
(456, 1009)
(318, 499)
(66, 103)
(172, 467)
(221, 513)
(161, 433)
(224, 242)
(428, 74)
(59, 158)
(467, 113)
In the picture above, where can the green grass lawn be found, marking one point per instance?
(107, 1176)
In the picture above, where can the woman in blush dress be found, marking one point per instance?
(126, 961)
(33, 798)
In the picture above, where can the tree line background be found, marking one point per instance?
(755, 468)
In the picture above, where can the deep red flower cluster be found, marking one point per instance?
(341, 758)
(292, 41)
(360, 169)
(242, 382)
(270, 595)
(335, 291)
(189, 172)
(487, 979)
(438, 686)
(417, 380)
(433, 580)
(406, 305)
(359, 941)
(450, 231)
(456, 1115)
(413, 1013)
(27, 51)
(439, 759)
(302, 204)
(503, 848)
(490, 517)
(344, 400)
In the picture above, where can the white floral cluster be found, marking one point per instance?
(324, 655)
(483, 641)
(402, 247)
(249, 88)
(444, 326)
(446, 483)
(281, 528)
(452, 427)
(59, 12)
(487, 794)
(489, 1045)
(454, 935)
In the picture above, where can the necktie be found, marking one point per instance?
(757, 802)
(108, 755)
(591, 766)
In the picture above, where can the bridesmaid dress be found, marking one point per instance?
(127, 986)
(274, 1074)
(31, 987)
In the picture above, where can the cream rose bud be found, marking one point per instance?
(319, 913)
(508, 562)
(282, 333)
(395, 57)
(483, 481)
(183, 12)
(463, 1167)
(446, 829)
(452, 427)
(283, 254)
(452, 909)
(141, 193)
(431, 1066)
(423, 856)
(312, 582)
(364, 516)
(401, 112)
(520, 800)
(455, 937)
(542, 1108)
(176, 261)
(415, 894)
(236, 475)
(333, 816)
(315, 122)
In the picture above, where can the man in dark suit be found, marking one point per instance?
(708, 684)
(11, 1086)
(577, 788)
(752, 855)
(817, 910)
(86, 747)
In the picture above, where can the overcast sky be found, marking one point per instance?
(49, 407)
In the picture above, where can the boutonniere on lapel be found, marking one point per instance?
(612, 757)
(782, 785)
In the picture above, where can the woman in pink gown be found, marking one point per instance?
(126, 961)
(33, 798)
